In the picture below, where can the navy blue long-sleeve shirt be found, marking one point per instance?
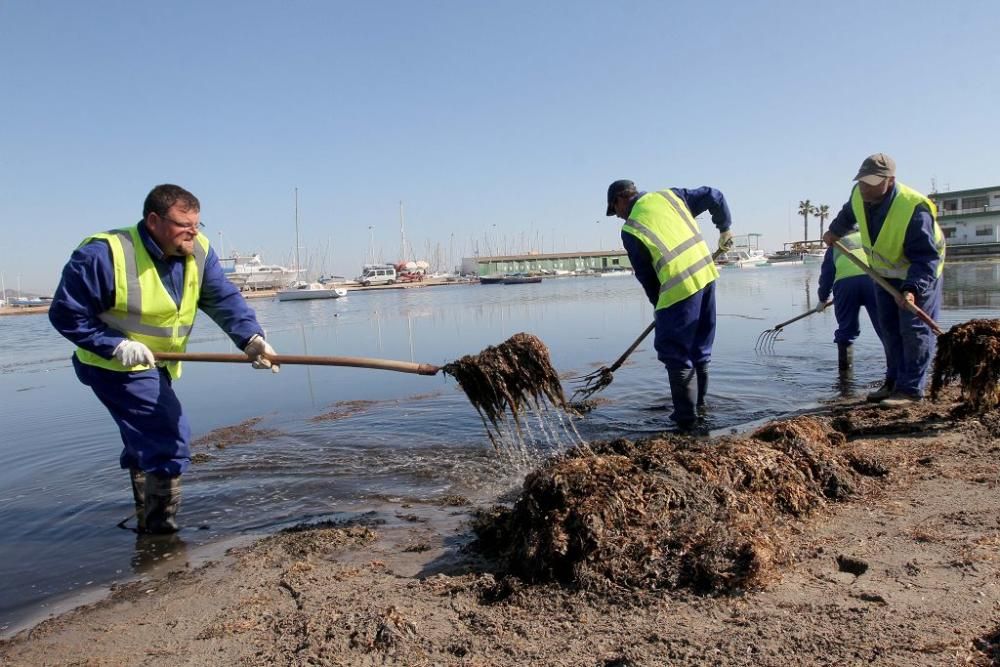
(918, 243)
(698, 201)
(87, 289)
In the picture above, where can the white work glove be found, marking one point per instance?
(256, 348)
(133, 353)
(725, 241)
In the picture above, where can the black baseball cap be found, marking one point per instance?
(618, 187)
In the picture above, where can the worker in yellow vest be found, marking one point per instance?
(852, 290)
(674, 265)
(904, 244)
(128, 294)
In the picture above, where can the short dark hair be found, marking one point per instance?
(162, 197)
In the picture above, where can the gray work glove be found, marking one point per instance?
(726, 241)
(133, 353)
(256, 348)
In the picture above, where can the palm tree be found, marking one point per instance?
(822, 212)
(805, 208)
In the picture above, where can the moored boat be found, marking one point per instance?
(521, 279)
(250, 273)
(302, 291)
(742, 259)
(798, 252)
(784, 258)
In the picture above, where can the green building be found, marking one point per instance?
(550, 263)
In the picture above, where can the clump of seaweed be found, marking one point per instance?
(511, 376)
(970, 352)
(668, 513)
(243, 433)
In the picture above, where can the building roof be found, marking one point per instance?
(963, 193)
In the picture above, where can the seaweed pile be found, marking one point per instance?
(668, 513)
(970, 352)
(511, 376)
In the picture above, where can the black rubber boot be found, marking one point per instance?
(702, 373)
(845, 356)
(163, 499)
(683, 393)
(882, 393)
(138, 479)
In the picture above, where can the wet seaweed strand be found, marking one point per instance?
(970, 352)
(508, 377)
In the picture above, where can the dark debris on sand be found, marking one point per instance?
(670, 512)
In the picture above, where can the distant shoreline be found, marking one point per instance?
(23, 310)
(255, 294)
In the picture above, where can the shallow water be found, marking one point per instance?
(342, 441)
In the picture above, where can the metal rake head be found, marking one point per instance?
(767, 339)
(591, 383)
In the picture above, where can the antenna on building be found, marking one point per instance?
(933, 186)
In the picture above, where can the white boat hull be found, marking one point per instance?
(309, 293)
(741, 259)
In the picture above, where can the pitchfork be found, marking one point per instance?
(591, 383)
(767, 338)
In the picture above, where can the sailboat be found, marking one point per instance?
(302, 290)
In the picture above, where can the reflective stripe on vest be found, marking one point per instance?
(143, 310)
(845, 268)
(887, 256)
(681, 258)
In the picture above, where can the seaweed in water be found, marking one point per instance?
(511, 376)
(971, 353)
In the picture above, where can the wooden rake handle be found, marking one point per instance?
(821, 307)
(307, 360)
(884, 284)
(631, 348)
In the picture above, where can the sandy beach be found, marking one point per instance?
(903, 570)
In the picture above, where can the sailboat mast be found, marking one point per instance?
(297, 264)
(402, 235)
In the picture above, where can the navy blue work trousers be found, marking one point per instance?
(154, 429)
(909, 342)
(850, 295)
(685, 331)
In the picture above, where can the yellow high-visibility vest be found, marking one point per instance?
(143, 310)
(845, 268)
(683, 263)
(886, 256)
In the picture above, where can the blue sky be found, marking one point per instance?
(493, 122)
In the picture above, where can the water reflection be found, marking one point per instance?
(973, 285)
(155, 554)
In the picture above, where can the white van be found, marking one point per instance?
(378, 275)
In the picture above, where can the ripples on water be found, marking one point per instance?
(405, 438)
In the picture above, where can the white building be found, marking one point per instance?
(969, 217)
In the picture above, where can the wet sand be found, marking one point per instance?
(903, 571)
